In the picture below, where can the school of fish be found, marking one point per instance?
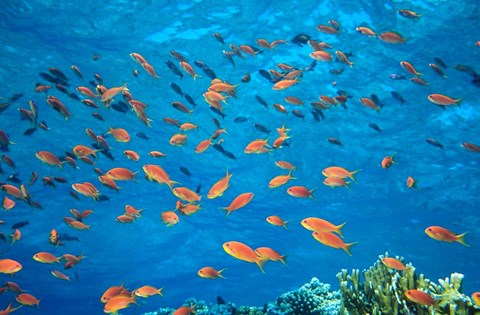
(64, 90)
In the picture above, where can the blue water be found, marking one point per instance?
(382, 214)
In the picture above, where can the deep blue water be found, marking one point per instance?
(382, 214)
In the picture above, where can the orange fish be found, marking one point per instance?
(284, 84)
(388, 161)
(150, 70)
(121, 173)
(203, 145)
(9, 266)
(366, 31)
(170, 218)
(107, 181)
(46, 258)
(409, 14)
(257, 146)
(280, 180)
(239, 202)
(285, 165)
(393, 263)
(178, 139)
(48, 158)
(321, 55)
(15, 236)
(156, 154)
(211, 273)
(320, 225)
(132, 155)
(123, 218)
(120, 134)
(392, 37)
(343, 58)
(138, 58)
(340, 172)
(409, 68)
(132, 212)
(219, 187)
(332, 240)
(27, 299)
(476, 298)
(8, 204)
(113, 291)
(158, 174)
(87, 189)
(60, 275)
(188, 209)
(118, 302)
(186, 194)
(333, 182)
(300, 191)
(147, 290)
(421, 298)
(470, 147)
(443, 100)
(184, 310)
(411, 182)
(188, 69)
(82, 150)
(243, 252)
(276, 220)
(369, 103)
(266, 253)
(441, 234)
(9, 309)
(109, 94)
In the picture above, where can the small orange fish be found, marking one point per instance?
(121, 173)
(109, 94)
(184, 310)
(393, 263)
(442, 234)
(132, 155)
(285, 165)
(147, 290)
(48, 158)
(15, 236)
(113, 291)
(411, 182)
(284, 84)
(9, 266)
(243, 252)
(119, 302)
(409, 14)
(123, 218)
(300, 191)
(392, 37)
(59, 275)
(276, 220)
(219, 187)
(366, 31)
(211, 273)
(332, 240)
(369, 103)
(203, 145)
(333, 182)
(409, 68)
(266, 253)
(476, 298)
(8, 204)
(157, 154)
(443, 100)
(470, 147)
(46, 258)
(280, 180)
(9, 309)
(107, 181)
(320, 225)
(421, 298)
(178, 139)
(120, 134)
(328, 29)
(87, 189)
(239, 202)
(186, 194)
(150, 70)
(27, 299)
(340, 172)
(83, 150)
(321, 55)
(343, 58)
(257, 146)
(188, 69)
(388, 161)
(170, 218)
(157, 173)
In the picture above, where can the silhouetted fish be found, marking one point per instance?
(396, 76)
(66, 237)
(265, 74)
(300, 39)
(398, 97)
(440, 62)
(103, 198)
(467, 69)
(240, 119)
(261, 127)
(190, 99)
(220, 300)
(209, 73)
(312, 66)
(57, 73)
(434, 142)
(218, 147)
(19, 225)
(217, 111)
(29, 131)
(316, 117)
(120, 106)
(141, 135)
(185, 171)
(74, 96)
(2, 237)
(261, 101)
(48, 77)
(174, 68)
(230, 155)
(376, 100)
(199, 188)
(176, 88)
(374, 127)
(14, 179)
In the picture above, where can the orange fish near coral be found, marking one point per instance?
(243, 252)
(393, 263)
(476, 298)
(239, 202)
(211, 273)
(147, 290)
(118, 302)
(442, 234)
(332, 240)
(184, 310)
(420, 297)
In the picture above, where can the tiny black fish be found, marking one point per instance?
(19, 225)
(141, 135)
(58, 73)
(66, 237)
(316, 117)
(190, 100)
(14, 179)
(374, 127)
(176, 88)
(230, 155)
(240, 119)
(300, 39)
(312, 66)
(467, 69)
(200, 64)
(185, 171)
(61, 88)
(120, 106)
(298, 113)
(265, 74)
(440, 62)
(376, 100)
(74, 96)
(15, 97)
(261, 101)
(218, 147)
(103, 198)
(174, 68)
(217, 123)
(217, 111)
(29, 131)
(220, 300)
(398, 97)
(261, 128)
(209, 73)
(434, 142)
(49, 78)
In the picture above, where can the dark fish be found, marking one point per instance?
(104, 151)
(95, 57)
(376, 100)
(92, 83)
(335, 141)
(19, 225)
(467, 69)
(217, 123)
(218, 37)
(69, 154)
(199, 188)
(398, 97)
(174, 68)
(66, 237)
(98, 77)
(98, 116)
(35, 204)
(220, 300)
(434, 142)
(246, 78)
(2, 237)
(141, 135)
(261, 101)
(319, 112)
(58, 73)
(265, 74)
(261, 128)
(15, 97)
(316, 117)
(240, 119)
(217, 111)
(476, 81)
(74, 96)
(300, 39)
(48, 77)
(176, 88)
(59, 179)
(190, 100)
(209, 73)
(229, 56)
(61, 88)
(312, 66)
(200, 64)
(185, 171)
(374, 127)
(440, 62)
(29, 131)
(121, 107)
(14, 179)
(74, 195)
(396, 76)
(103, 198)
(219, 148)
(298, 113)
(344, 93)
(230, 155)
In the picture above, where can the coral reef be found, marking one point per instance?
(382, 292)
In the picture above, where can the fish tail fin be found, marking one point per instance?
(285, 225)
(461, 239)
(352, 175)
(311, 193)
(338, 229)
(220, 273)
(284, 260)
(348, 247)
(134, 177)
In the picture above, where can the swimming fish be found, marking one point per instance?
(243, 252)
(442, 234)
(239, 202)
(211, 273)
